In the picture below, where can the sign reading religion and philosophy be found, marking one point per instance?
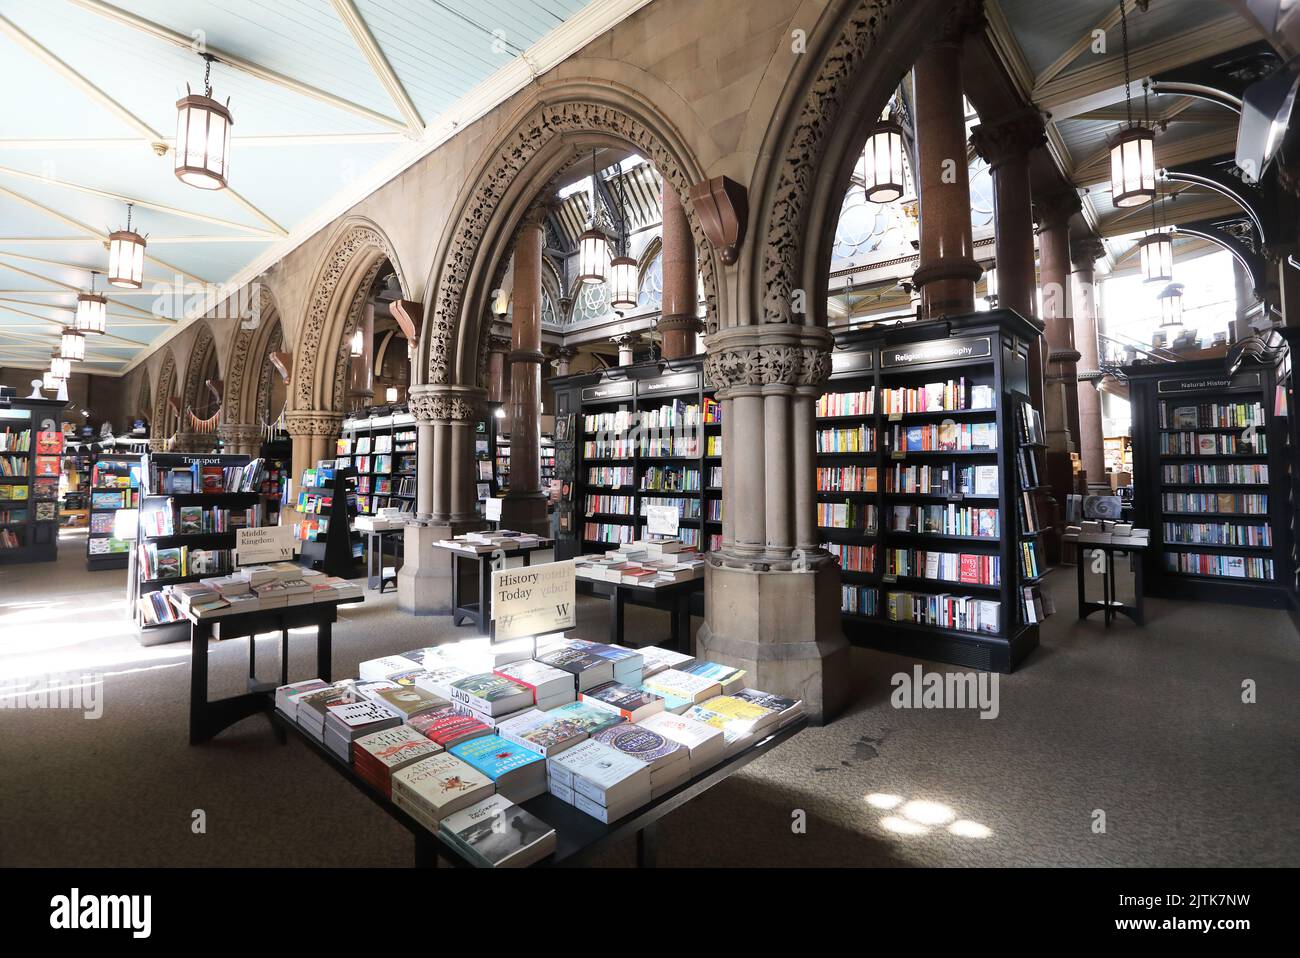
(264, 544)
(531, 600)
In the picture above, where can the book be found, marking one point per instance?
(434, 787)
(728, 678)
(668, 760)
(286, 695)
(735, 717)
(787, 709)
(349, 721)
(410, 700)
(632, 703)
(705, 744)
(657, 659)
(587, 669)
(447, 727)
(549, 685)
(542, 732)
(586, 716)
(377, 755)
(491, 694)
(497, 833)
(519, 773)
(684, 685)
(602, 774)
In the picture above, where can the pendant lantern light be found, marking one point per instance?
(882, 162)
(622, 269)
(991, 285)
(126, 256)
(1171, 306)
(92, 310)
(72, 345)
(60, 367)
(1132, 150)
(51, 382)
(203, 137)
(593, 244)
(358, 345)
(1157, 247)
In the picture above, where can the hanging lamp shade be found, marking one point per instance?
(623, 283)
(1157, 252)
(72, 345)
(203, 138)
(1132, 167)
(51, 382)
(593, 256)
(358, 345)
(126, 256)
(500, 303)
(1171, 306)
(92, 313)
(991, 284)
(60, 367)
(882, 163)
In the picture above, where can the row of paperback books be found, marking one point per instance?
(612, 477)
(181, 561)
(952, 396)
(960, 612)
(859, 600)
(1211, 415)
(168, 519)
(1227, 503)
(1218, 533)
(853, 558)
(942, 480)
(846, 478)
(1233, 567)
(861, 403)
(847, 515)
(968, 567)
(948, 520)
(645, 562)
(667, 479)
(852, 439)
(479, 729)
(1212, 444)
(252, 588)
(1234, 474)
(211, 479)
(944, 437)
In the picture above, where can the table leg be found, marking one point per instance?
(455, 588)
(284, 656)
(616, 616)
(325, 651)
(484, 581)
(1083, 597)
(252, 658)
(199, 632)
(647, 846)
(682, 624)
(1112, 592)
(1137, 561)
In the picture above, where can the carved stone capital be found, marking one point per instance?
(1086, 251)
(753, 359)
(1010, 138)
(498, 344)
(686, 321)
(313, 422)
(1055, 209)
(965, 17)
(235, 433)
(432, 404)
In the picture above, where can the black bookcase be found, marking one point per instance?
(1184, 491)
(389, 434)
(155, 500)
(107, 498)
(338, 550)
(29, 493)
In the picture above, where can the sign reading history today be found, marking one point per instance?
(937, 351)
(661, 520)
(492, 509)
(531, 600)
(264, 544)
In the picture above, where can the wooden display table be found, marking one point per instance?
(480, 612)
(674, 598)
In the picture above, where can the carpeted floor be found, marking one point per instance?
(1144, 725)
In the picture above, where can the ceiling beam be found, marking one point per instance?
(1101, 84)
(153, 240)
(98, 144)
(1095, 169)
(132, 343)
(152, 136)
(1199, 206)
(123, 198)
(1082, 45)
(379, 65)
(186, 42)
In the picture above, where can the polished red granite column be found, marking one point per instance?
(524, 508)
(1085, 254)
(678, 323)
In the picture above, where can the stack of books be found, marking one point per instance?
(378, 755)
(645, 562)
(599, 780)
(496, 833)
(448, 727)
(705, 745)
(519, 773)
(741, 722)
(434, 787)
(309, 708)
(667, 759)
(551, 687)
(347, 722)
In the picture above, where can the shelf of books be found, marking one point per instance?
(914, 434)
(1285, 409)
(485, 483)
(1211, 481)
(327, 503)
(31, 457)
(190, 509)
(114, 501)
(382, 451)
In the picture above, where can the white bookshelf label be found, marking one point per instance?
(531, 600)
(264, 544)
(937, 351)
(492, 509)
(661, 520)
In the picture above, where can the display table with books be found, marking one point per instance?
(655, 573)
(481, 548)
(250, 602)
(1109, 538)
(535, 751)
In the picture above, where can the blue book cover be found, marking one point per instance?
(494, 756)
(915, 438)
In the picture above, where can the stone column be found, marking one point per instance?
(361, 388)
(445, 501)
(241, 439)
(1085, 254)
(771, 592)
(947, 272)
(498, 378)
(563, 359)
(313, 433)
(1005, 146)
(627, 344)
(1060, 388)
(524, 507)
(678, 323)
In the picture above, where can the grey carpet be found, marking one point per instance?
(1145, 725)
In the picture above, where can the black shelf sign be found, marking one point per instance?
(681, 382)
(842, 362)
(937, 351)
(608, 391)
(1242, 381)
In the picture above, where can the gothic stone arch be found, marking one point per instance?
(164, 423)
(203, 350)
(249, 348)
(532, 153)
(338, 295)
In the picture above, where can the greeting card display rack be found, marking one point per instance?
(329, 492)
(114, 492)
(1213, 478)
(31, 451)
(381, 448)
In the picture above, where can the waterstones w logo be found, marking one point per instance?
(946, 690)
(95, 912)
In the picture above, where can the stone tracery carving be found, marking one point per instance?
(543, 125)
(166, 379)
(240, 357)
(204, 344)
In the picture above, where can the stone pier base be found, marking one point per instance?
(424, 581)
(783, 628)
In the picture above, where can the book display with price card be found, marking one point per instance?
(191, 507)
(114, 499)
(921, 438)
(381, 448)
(1211, 480)
(327, 500)
(31, 455)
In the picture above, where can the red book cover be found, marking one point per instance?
(970, 568)
(49, 442)
(47, 465)
(214, 479)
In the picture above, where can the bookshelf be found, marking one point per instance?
(485, 439)
(190, 509)
(1284, 406)
(114, 494)
(1212, 481)
(327, 501)
(31, 457)
(382, 451)
(918, 431)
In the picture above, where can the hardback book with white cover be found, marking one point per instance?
(628, 701)
(706, 744)
(440, 785)
(542, 732)
(547, 683)
(491, 721)
(438, 679)
(497, 833)
(370, 690)
(285, 695)
(657, 659)
(604, 774)
(686, 685)
(608, 813)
